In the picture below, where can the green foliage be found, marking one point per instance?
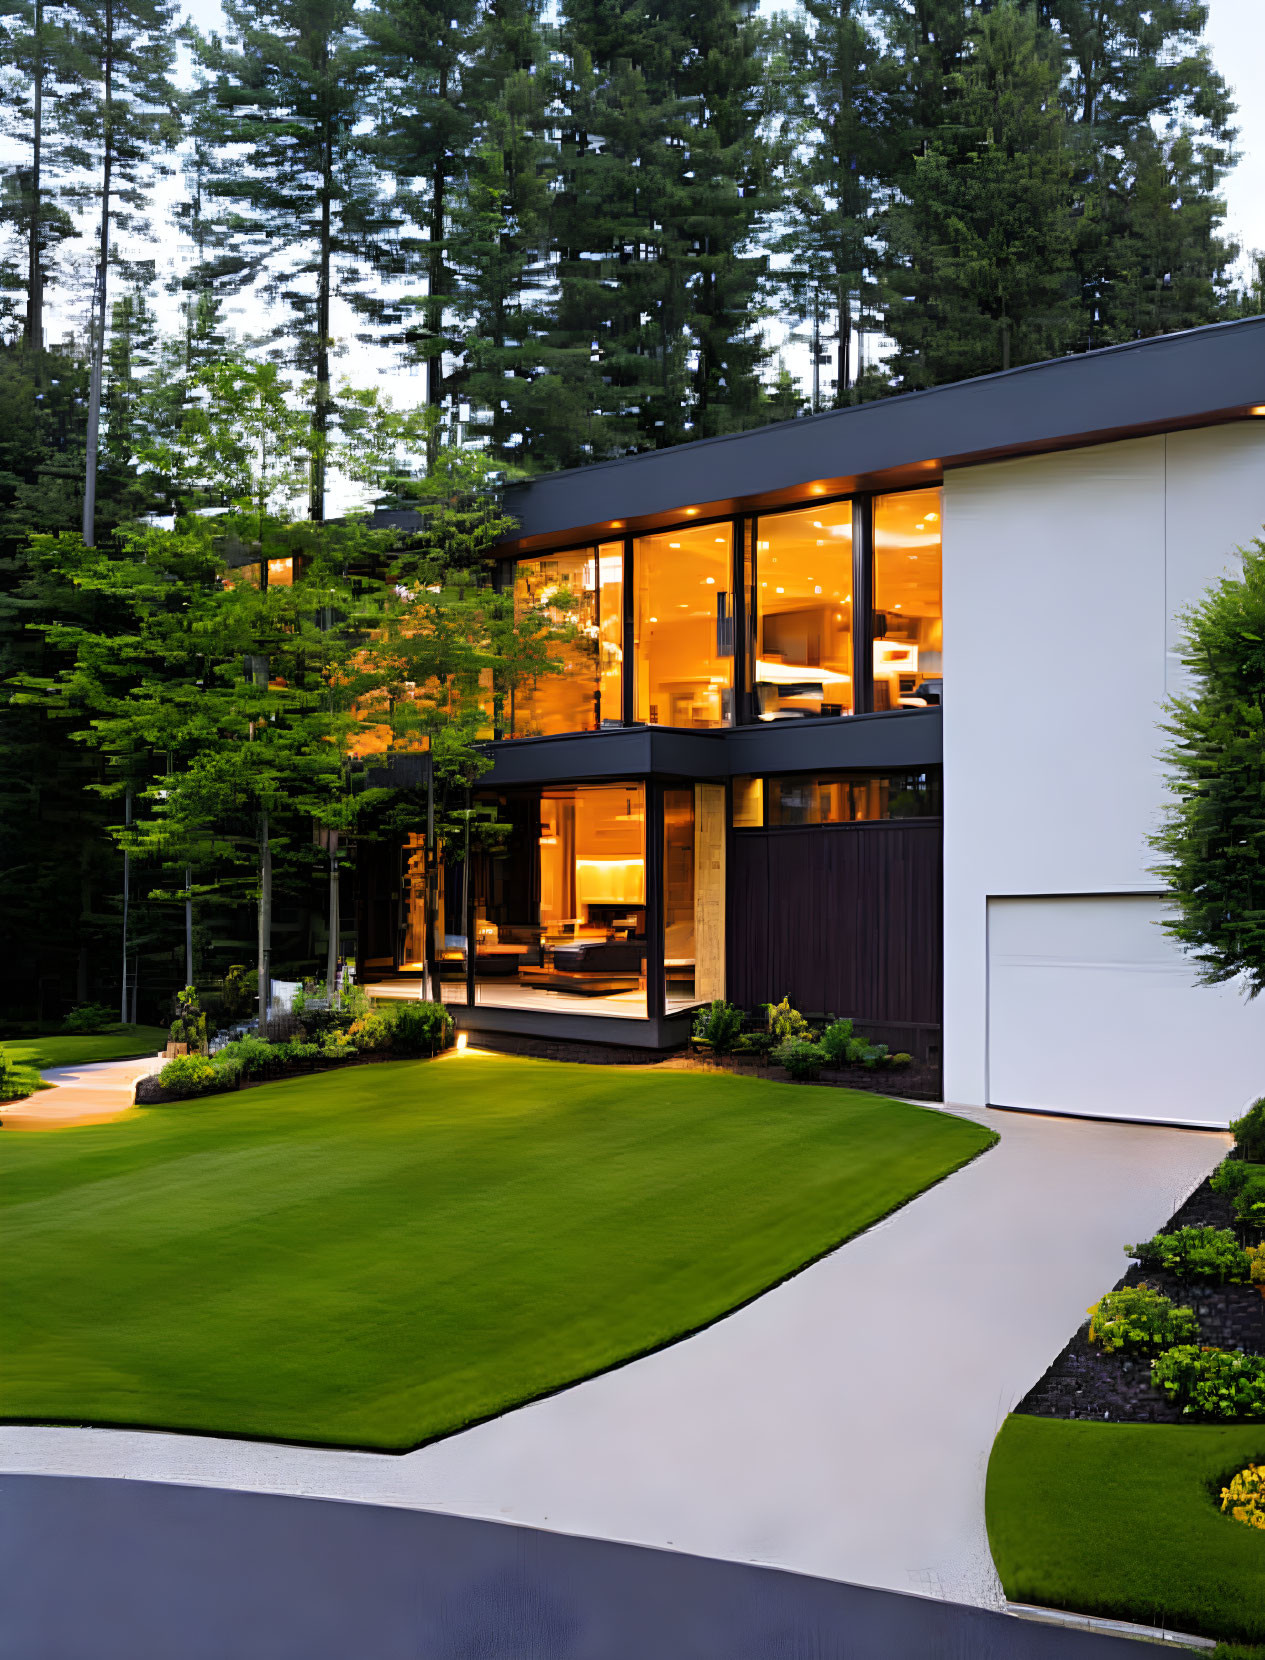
(1249, 1133)
(1194, 1253)
(417, 1028)
(1140, 1317)
(753, 1043)
(1212, 1383)
(785, 1022)
(1213, 836)
(801, 1058)
(368, 1033)
(89, 1018)
(190, 1075)
(189, 1025)
(1243, 1183)
(835, 1042)
(900, 1058)
(719, 1025)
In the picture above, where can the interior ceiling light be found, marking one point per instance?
(711, 582)
(674, 544)
(690, 511)
(1259, 409)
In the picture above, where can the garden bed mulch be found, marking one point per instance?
(920, 1081)
(1086, 1383)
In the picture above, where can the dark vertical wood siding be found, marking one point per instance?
(844, 919)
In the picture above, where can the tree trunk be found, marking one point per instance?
(188, 927)
(35, 270)
(99, 292)
(265, 922)
(435, 294)
(127, 875)
(432, 895)
(843, 378)
(335, 920)
(320, 414)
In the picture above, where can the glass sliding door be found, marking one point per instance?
(685, 627)
(804, 613)
(560, 905)
(693, 895)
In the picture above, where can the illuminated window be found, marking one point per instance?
(560, 909)
(908, 629)
(281, 573)
(611, 631)
(684, 627)
(748, 807)
(803, 595)
(852, 798)
(561, 591)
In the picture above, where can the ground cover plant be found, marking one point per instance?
(380, 1255)
(26, 1057)
(1124, 1521)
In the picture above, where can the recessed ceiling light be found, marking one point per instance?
(654, 619)
(781, 590)
(711, 581)
(674, 544)
(690, 511)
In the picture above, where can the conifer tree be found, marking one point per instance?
(127, 128)
(283, 100)
(44, 84)
(831, 110)
(1152, 130)
(981, 236)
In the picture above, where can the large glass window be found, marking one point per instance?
(908, 627)
(562, 591)
(560, 908)
(578, 597)
(852, 798)
(684, 627)
(804, 613)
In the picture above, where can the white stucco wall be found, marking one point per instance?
(1063, 578)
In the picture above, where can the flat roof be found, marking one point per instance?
(1195, 378)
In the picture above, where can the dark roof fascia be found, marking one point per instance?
(1163, 384)
(898, 740)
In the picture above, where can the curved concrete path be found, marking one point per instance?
(93, 1093)
(840, 1425)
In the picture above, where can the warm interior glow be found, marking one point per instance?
(562, 591)
(803, 603)
(909, 632)
(684, 627)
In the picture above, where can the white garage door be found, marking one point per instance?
(1093, 1009)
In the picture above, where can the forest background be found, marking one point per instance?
(577, 231)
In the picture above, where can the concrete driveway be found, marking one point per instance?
(839, 1426)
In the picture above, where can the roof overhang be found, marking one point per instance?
(1199, 378)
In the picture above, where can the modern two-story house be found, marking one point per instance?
(864, 709)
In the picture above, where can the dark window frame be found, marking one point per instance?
(745, 577)
(766, 827)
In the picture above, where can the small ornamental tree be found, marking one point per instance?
(1213, 835)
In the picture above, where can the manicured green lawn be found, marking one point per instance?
(380, 1256)
(1121, 1520)
(116, 1043)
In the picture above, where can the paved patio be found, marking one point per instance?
(839, 1426)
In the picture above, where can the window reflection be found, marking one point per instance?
(804, 608)
(562, 592)
(748, 803)
(908, 628)
(684, 627)
(852, 798)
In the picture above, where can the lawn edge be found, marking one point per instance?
(992, 1138)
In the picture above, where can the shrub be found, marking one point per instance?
(190, 1075)
(1244, 1498)
(785, 1022)
(1194, 1253)
(900, 1058)
(1230, 1176)
(368, 1033)
(240, 991)
(89, 1017)
(1256, 1264)
(418, 1028)
(1212, 1383)
(754, 1043)
(255, 1057)
(719, 1025)
(875, 1055)
(1140, 1317)
(835, 1042)
(1249, 1133)
(189, 1025)
(801, 1058)
(336, 1046)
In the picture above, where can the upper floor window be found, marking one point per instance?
(684, 627)
(579, 598)
(908, 626)
(803, 594)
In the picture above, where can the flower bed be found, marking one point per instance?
(337, 1034)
